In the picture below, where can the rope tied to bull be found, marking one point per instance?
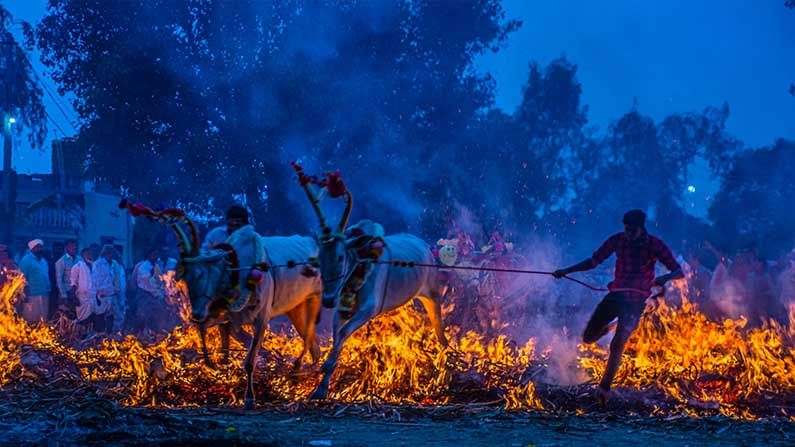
(410, 264)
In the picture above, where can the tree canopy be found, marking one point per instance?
(204, 103)
(20, 95)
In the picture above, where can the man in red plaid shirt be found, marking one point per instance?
(636, 253)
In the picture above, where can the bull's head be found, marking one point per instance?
(210, 276)
(332, 251)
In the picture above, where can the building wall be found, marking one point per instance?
(106, 223)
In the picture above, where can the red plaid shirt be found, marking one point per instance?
(634, 260)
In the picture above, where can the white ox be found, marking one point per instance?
(386, 287)
(215, 281)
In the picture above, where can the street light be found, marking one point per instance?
(12, 120)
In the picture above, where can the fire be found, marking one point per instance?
(699, 364)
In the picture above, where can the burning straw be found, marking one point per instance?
(678, 357)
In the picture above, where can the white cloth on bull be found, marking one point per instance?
(214, 237)
(82, 279)
(250, 251)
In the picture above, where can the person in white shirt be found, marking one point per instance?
(120, 275)
(63, 270)
(149, 296)
(82, 282)
(108, 286)
(37, 278)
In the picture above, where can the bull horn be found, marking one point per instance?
(170, 216)
(195, 244)
(185, 247)
(305, 183)
(346, 215)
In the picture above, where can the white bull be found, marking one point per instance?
(213, 278)
(386, 287)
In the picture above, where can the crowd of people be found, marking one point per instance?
(93, 288)
(744, 284)
(96, 290)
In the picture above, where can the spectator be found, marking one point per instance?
(109, 286)
(149, 297)
(83, 287)
(37, 276)
(63, 282)
(7, 264)
(166, 261)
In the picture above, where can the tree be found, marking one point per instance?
(752, 202)
(205, 101)
(20, 95)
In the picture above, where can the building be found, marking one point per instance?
(62, 205)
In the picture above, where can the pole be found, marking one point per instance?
(8, 194)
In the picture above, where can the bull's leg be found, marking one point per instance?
(362, 316)
(304, 318)
(240, 334)
(297, 316)
(205, 353)
(251, 360)
(312, 310)
(434, 311)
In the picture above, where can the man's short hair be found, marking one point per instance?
(635, 218)
(70, 241)
(237, 212)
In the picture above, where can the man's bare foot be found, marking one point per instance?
(602, 396)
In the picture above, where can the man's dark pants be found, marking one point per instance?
(628, 311)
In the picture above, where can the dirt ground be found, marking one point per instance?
(95, 421)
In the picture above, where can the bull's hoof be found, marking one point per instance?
(250, 404)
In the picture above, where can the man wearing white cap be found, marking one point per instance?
(37, 278)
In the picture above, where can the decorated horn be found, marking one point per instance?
(346, 215)
(168, 216)
(306, 183)
(185, 248)
(195, 243)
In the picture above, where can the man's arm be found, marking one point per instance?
(59, 267)
(603, 252)
(665, 256)
(74, 278)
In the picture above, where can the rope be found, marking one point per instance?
(509, 270)
(292, 264)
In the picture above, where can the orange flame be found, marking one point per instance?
(395, 358)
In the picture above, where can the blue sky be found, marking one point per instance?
(673, 56)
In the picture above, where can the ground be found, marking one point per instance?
(58, 418)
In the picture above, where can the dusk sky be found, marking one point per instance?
(673, 56)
